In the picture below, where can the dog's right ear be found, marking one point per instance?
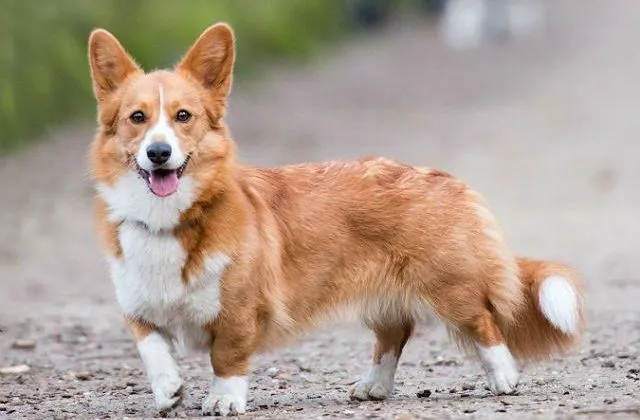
(110, 64)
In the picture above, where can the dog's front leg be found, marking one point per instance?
(161, 368)
(230, 358)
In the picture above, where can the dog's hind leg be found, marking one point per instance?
(377, 383)
(497, 361)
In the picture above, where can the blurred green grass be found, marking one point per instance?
(44, 75)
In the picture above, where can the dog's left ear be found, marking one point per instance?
(210, 60)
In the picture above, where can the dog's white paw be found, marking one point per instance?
(377, 384)
(369, 390)
(162, 371)
(167, 389)
(227, 397)
(503, 381)
(501, 369)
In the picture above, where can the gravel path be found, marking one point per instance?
(547, 129)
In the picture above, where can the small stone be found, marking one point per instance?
(15, 369)
(82, 376)
(449, 362)
(304, 368)
(610, 401)
(284, 376)
(404, 416)
(608, 364)
(468, 387)
(24, 344)
(425, 393)
(273, 371)
(469, 411)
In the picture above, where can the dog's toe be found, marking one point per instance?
(367, 390)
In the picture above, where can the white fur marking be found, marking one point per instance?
(559, 303)
(162, 370)
(377, 384)
(148, 282)
(161, 132)
(130, 199)
(227, 396)
(501, 368)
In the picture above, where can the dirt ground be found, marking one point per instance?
(546, 128)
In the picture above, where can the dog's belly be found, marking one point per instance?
(149, 285)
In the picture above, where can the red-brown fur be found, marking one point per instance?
(306, 240)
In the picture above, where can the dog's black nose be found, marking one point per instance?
(159, 153)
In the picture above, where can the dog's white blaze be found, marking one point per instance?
(161, 368)
(161, 131)
(130, 199)
(559, 303)
(148, 283)
(227, 395)
(501, 368)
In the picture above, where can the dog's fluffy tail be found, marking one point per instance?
(550, 319)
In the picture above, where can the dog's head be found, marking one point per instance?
(164, 127)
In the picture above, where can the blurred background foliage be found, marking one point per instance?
(44, 75)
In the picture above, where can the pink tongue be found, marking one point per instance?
(163, 183)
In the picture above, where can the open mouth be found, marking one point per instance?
(163, 182)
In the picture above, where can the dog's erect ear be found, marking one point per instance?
(110, 64)
(210, 59)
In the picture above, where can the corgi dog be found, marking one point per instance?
(231, 260)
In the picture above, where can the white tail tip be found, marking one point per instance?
(559, 303)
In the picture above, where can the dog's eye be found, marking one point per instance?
(183, 116)
(138, 117)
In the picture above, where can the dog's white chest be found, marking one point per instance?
(149, 285)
